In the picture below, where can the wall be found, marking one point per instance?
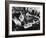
(2, 19)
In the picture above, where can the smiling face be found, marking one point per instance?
(21, 17)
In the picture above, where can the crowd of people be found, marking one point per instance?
(25, 19)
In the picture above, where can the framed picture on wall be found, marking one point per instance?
(24, 18)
